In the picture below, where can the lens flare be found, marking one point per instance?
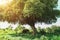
(5, 2)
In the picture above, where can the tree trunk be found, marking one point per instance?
(34, 29)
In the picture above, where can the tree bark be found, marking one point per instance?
(34, 29)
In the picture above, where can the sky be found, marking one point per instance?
(6, 24)
(58, 7)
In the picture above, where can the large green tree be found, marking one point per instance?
(29, 12)
(40, 10)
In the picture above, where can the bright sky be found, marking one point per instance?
(6, 24)
(58, 5)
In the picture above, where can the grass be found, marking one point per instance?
(8, 34)
(29, 37)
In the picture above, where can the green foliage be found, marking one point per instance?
(38, 29)
(19, 29)
(9, 34)
(50, 30)
(40, 10)
(35, 10)
(43, 37)
(29, 37)
(57, 29)
(33, 7)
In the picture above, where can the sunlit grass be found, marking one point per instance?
(9, 34)
(28, 37)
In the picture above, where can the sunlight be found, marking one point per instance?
(5, 2)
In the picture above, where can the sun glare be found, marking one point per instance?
(5, 2)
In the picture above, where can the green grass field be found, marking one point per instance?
(29, 37)
(46, 34)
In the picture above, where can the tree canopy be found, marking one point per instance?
(40, 10)
(34, 10)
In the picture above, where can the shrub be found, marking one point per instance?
(42, 31)
(43, 37)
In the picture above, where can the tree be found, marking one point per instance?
(29, 12)
(39, 10)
